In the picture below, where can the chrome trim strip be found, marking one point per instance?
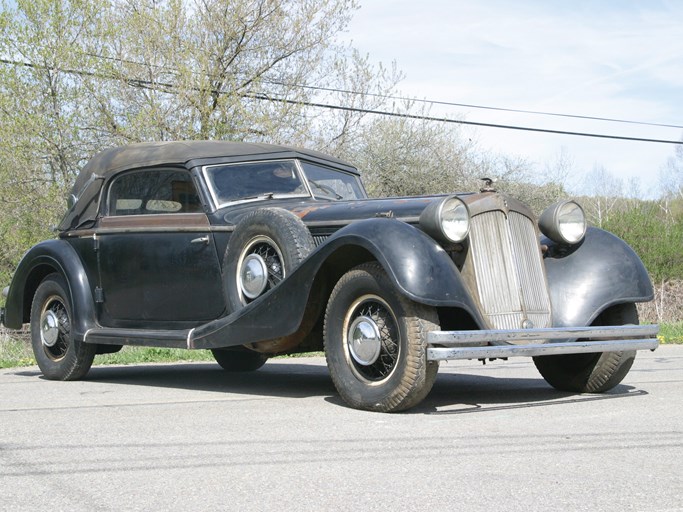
(547, 349)
(345, 222)
(151, 229)
(190, 340)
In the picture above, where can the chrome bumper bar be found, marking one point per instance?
(445, 345)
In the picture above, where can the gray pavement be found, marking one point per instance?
(192, 437)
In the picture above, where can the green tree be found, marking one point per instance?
(655, 234)
(80, 75)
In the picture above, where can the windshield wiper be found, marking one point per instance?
(328, 190)
(265, 195)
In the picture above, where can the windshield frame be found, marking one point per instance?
(297, 167)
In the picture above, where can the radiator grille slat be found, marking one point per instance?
(319, 239)
(508, 270)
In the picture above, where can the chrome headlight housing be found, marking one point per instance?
(446, 219)
(563, 222)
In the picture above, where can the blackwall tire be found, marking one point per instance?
(591, 373)
(271, 239)
(239, 360)
(376, 342)
(58, 355)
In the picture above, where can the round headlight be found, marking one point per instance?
(455, 219)
(563, 222)
(446, 219)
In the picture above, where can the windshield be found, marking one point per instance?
(327, 183)
(279, 179)
(237, 182)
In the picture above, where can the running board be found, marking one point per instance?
(140, 337)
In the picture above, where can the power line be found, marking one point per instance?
(434, 102)
(168, 88)
(458, 121)
(483, 107)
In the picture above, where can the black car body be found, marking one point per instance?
(253, 250)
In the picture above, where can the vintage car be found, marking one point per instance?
(254, 250)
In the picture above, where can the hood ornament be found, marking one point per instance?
(488, 185)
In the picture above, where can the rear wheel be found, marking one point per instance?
(376, 342)
(591, 373)
(239, 360)
(58, 355)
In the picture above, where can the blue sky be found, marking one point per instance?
(614, 59)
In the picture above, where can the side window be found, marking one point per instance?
(153, 192)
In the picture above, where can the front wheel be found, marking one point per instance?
(376, 342)
(58, 354)
(591, 373)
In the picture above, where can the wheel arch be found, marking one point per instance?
(43, 259)
(416, 264)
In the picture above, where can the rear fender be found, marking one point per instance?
(41, 260)
(586, 279)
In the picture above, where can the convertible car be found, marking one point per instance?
(255, 250)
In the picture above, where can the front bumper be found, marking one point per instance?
(493, 344)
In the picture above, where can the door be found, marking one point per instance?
(157, 260)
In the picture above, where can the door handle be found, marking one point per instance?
(201, 240)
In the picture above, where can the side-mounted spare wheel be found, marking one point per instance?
(58, 354)
(266, 246)
(591, 373)
(376, 342)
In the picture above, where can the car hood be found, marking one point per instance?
(336, 214)
(407, 209)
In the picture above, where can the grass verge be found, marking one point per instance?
(15, 350)
(671, 333)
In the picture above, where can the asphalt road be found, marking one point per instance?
(192, 437)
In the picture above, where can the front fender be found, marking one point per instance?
(418, 267)
(41, 260)
(416, 264)
(600, 272)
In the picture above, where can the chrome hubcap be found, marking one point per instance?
(371, 339)
(259, 268)
(253, 276)
(49, 328)
(365, 341)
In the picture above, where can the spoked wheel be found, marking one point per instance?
(376, 341)
(265, 247)
(372, 338)
(591, 373)
(260, 268)
(58, 355)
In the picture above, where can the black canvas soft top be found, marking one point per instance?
(152, 154)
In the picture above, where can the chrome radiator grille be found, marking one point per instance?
(508, 271)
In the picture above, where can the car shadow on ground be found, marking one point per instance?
(453, 393)
(291, 380)
(466, 394)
